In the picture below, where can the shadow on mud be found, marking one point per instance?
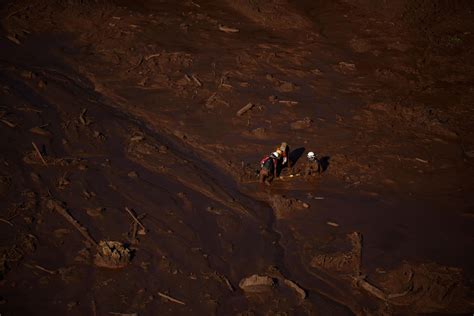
(295, 155)
(324, 163)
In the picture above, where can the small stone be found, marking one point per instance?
(305, 205)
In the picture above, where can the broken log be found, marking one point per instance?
(244, 109)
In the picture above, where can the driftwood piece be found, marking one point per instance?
(39, 153)
(227, 29)
(244, 109)
(172, 299)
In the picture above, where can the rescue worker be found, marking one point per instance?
(268, 168)
(284, 151)
(313, 165)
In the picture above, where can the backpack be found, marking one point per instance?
(265, 159)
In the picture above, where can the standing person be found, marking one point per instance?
(284, 151)
(268, 168)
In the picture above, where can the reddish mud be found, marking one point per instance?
(127, 174)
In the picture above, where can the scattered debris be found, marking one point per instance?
(40, 268)
(152, 56)
(95, 212)
(83, 119)
(14, 39)
(5, 221)
(61, 209)
(227, 29)
(256, 283)
(196, 80)
(288, 102)
(142, 230)
(345, 68)
(421, 160)
(137, 138)
(39, 153)
(172, 299)
(332, 224)
(40, 131)
(8, 123)
(301, 293)
(244, 109)
(112, 254)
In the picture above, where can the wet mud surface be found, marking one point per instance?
(127, 166)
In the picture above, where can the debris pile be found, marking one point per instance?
(112, 255)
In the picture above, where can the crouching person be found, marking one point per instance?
(268, 168)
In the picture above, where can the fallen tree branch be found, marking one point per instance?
(171, 299)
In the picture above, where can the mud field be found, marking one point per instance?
(127, 178)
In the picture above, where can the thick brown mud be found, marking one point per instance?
(119, 128)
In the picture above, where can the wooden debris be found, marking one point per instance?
(174, 300)
(59, 207)
(82, 118)
(196, 80)
(40, 131)
(356, 240)
(39, 153)
(245, 109)
(257, 283)
(227, 29)
(8, 123)
(301, 293)
(421, 160)
(112, 255)
(152, 56)
(375, 291)
(14, 39)
(40, 268)
(142, 230)
(333, 224)
(5, 221)
(288, 102)
(94, 308)
(137, 138)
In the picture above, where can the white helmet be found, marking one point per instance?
(311, 155)
(275, 154)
